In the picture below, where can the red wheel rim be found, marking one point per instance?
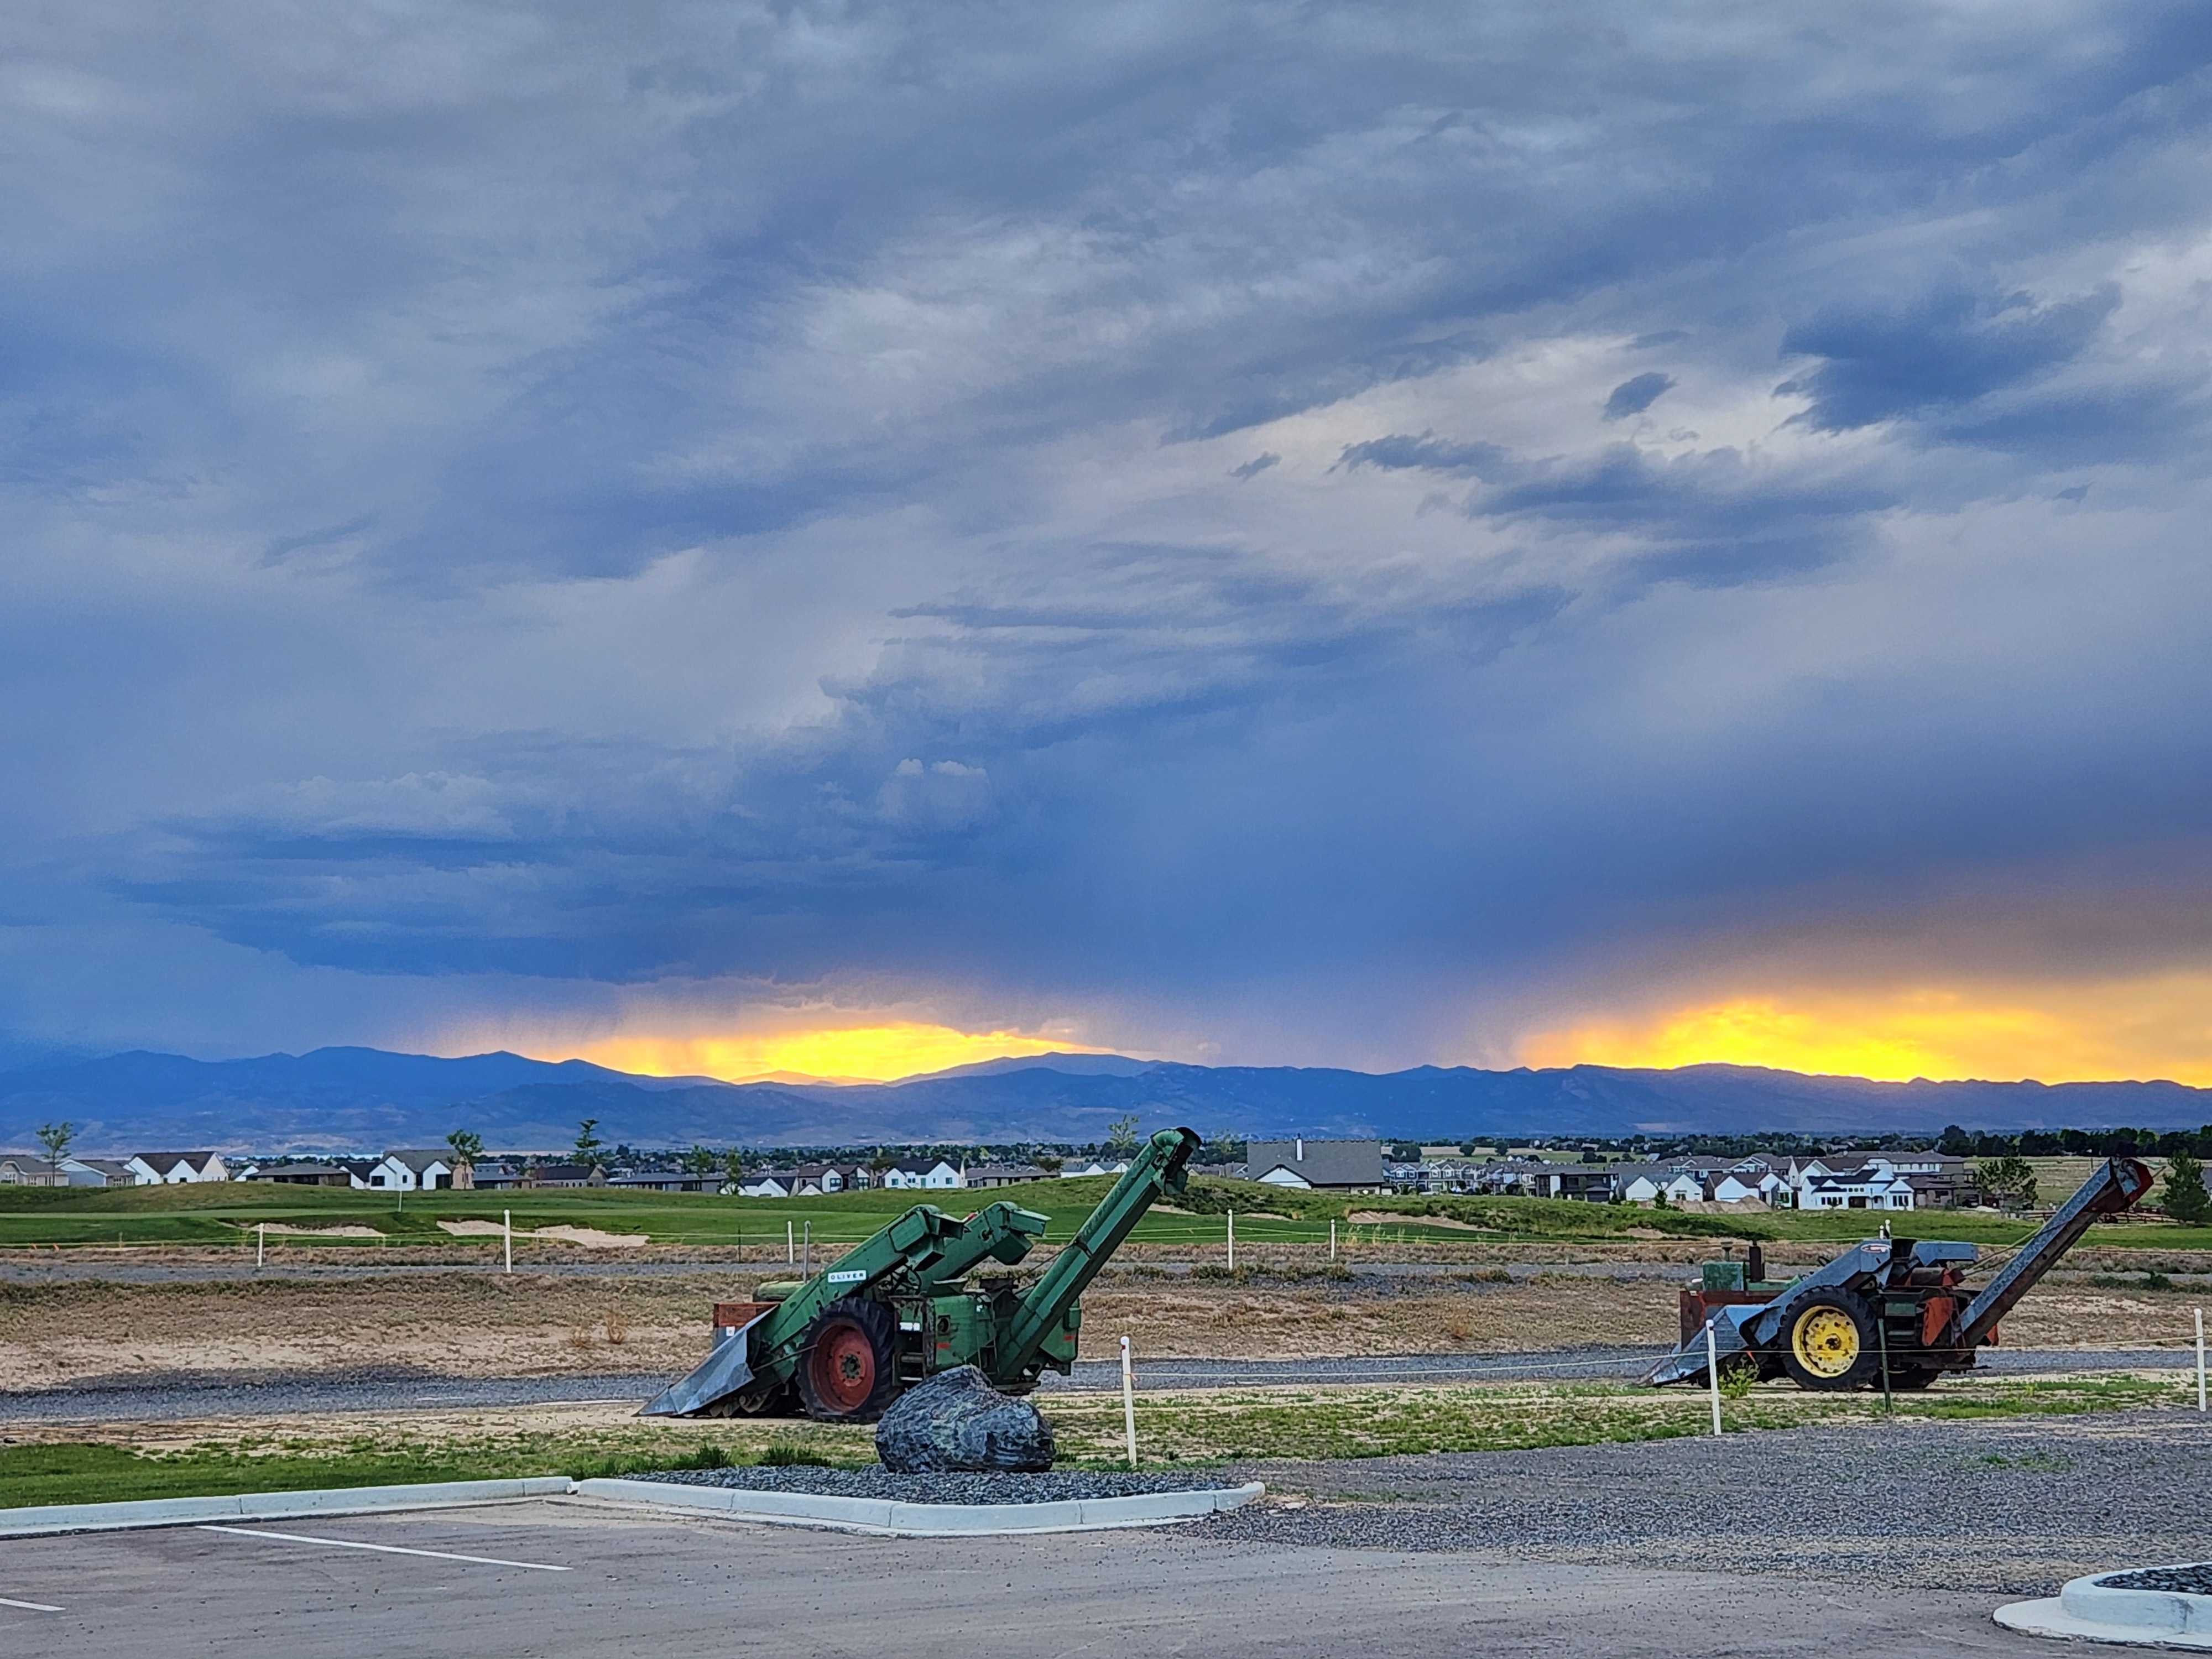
(845, 1367)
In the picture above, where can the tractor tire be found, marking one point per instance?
(1829, 1343)
(1910, 1379)
(848, 1363)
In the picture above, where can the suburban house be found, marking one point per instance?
(1335, 1166)
(1875, 1185)
(923, 1174)
(509, 1173)
(98, 1172)
(346, 1172)
(25, 1170)
(1592, 1183)
(413, 1171)
(833, 1177)
(1075, 1168)
(768, 1183)
(1004, 1174)
(669, 1181)
(174, 1168)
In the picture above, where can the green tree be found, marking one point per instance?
(2010, 1181)
(2186, 1197)
(55, 1138)
(699, 1161)
(1121, 1136)
(467, 1146)
(588, 1145)
(733, 1166)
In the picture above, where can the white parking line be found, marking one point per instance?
(382, 1549)
(27, 1607)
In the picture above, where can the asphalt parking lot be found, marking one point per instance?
(557, 1579)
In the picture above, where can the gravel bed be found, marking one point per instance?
(2186, 1581)
(1055, 1487)
(2013, 1504)
(204, 1395)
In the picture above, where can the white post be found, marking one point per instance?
(1332, 1238)
(2200, 1359)
(1128, 1404)
(790, 1245)
(261, 1247)
(506, 1237)
(1713, 1374)
(1232, 1241)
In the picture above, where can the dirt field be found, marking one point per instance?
(473, 1324)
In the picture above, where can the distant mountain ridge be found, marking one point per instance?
(368, 1099)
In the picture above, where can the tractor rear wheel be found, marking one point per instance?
(1829, 1341)
(848, 1370)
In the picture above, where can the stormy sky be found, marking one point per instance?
(1271, 533)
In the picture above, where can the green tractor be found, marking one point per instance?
(900, 1307)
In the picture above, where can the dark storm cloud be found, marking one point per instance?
(604, 500)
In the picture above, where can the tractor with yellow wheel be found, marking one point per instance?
(1893, 1313)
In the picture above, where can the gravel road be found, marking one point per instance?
(192, 1396)
(2015, 1505)
(1057, 1486)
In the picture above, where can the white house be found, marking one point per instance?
(1875, 1187)
(933, 1174)
(175, 1168)
(768, 1183)
(410, 1172)
(1684, 1187)
(1733, 1189)
(1075, 1168)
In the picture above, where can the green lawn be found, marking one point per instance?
(224, 1213)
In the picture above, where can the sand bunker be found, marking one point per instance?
(590, 1237)
(595, 1238)
(314, 1232)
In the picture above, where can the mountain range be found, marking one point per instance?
(368, 1099)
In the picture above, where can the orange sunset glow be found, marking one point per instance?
(876, 1053)
(2159, 1027)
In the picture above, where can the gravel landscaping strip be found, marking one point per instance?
(1056, 1486)
(2017, 1504)
(2184, 1581)
(205, 1395)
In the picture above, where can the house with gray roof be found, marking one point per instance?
(1353, 1166)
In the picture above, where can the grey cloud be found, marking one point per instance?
(1634, 397)
(1256, 465)
(1427, 453)
(1940, 351)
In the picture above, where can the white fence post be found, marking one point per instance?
(790, 1245)
(506, 1237)
(1332, 1238)
(1232, 1241)
(261, 1247)
(2200, 1359)
(1128, 1404)
(1713, 1374)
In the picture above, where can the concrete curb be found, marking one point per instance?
(2091, 1610)
(45, 1519)
(883, 1517)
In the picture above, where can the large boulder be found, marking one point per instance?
(957, 1421)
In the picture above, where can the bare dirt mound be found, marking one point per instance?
(474, 1229)
(316, 1232)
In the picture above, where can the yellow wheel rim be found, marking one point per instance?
(1826, 1341)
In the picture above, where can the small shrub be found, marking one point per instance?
(618, 1328)
(2155, 1280)
(1739, 1376)
(790, 1455)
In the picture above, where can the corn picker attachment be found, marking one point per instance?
(896, 1309)
(1898, 1306)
